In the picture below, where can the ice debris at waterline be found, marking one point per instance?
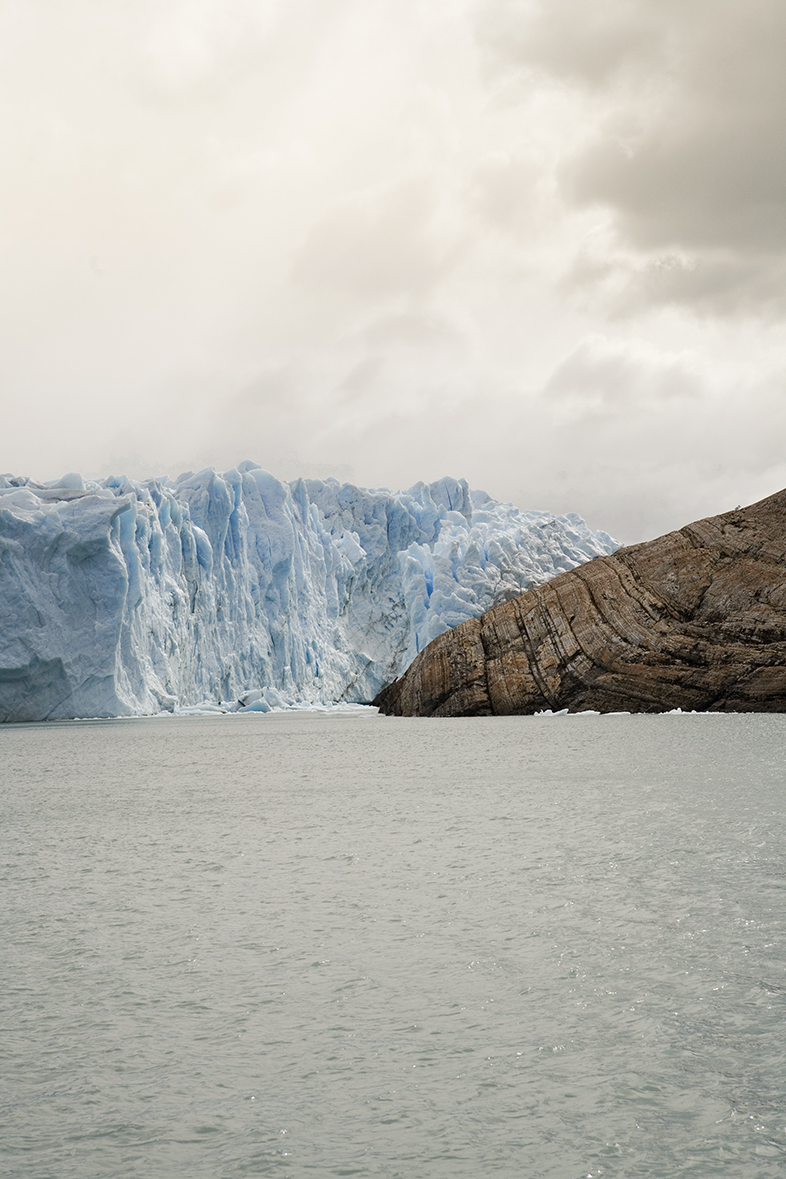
(124, 598)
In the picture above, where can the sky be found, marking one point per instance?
(537, 245)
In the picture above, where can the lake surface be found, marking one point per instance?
(304, 945)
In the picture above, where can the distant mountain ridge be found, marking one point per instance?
(693, 620)
(124, 598)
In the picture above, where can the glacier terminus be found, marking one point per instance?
(239, 592)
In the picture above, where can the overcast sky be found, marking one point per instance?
(541, 246)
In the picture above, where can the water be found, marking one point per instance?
(321, 945)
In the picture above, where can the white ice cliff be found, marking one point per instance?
(122, 598)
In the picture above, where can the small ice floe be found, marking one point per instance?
(581, 712)
(204, 708)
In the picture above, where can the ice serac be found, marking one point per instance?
(695, 620)
(122, 598)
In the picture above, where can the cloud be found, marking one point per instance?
(188, 42)
(652, 438)
(587, 43)
(506, 191)
(684, 141)
(378, 245)
(602, 376)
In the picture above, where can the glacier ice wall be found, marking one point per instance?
(122, 598)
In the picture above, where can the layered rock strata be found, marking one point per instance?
(693, 620)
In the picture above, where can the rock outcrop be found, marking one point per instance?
(693, 620)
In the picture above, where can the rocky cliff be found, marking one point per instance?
(694, 620)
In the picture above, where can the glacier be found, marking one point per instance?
(235, 591)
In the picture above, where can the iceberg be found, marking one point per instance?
(235, 591)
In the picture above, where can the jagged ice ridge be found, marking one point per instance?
(126, 598)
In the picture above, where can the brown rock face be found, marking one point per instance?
(693, 620)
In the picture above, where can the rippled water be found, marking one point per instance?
(348, 945)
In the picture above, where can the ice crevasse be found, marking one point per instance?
(126, 598)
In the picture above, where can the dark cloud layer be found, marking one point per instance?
(687, 147)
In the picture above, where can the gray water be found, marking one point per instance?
(298, 945)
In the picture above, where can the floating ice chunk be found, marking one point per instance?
(258, 706)
(204, 708)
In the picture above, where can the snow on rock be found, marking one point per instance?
(123, 598)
